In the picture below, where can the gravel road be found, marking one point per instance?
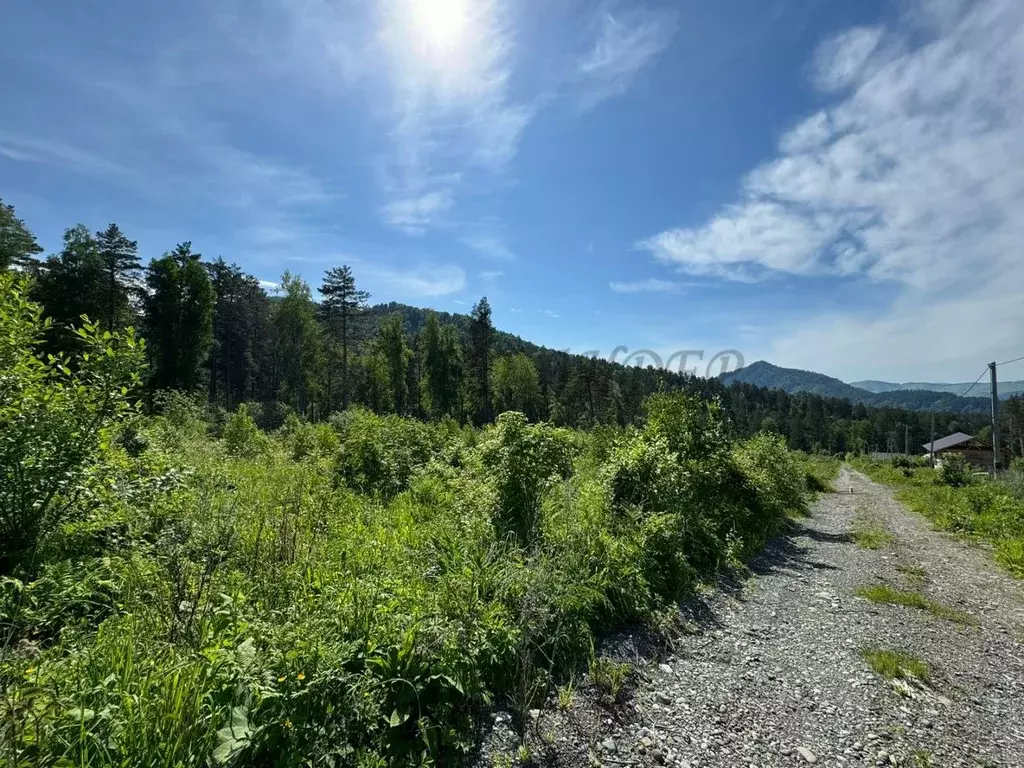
(773, 674)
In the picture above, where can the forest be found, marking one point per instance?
(239, 529)
(214, 332)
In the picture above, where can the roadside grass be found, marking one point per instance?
(820, 472)
(884, 593)
(983, 510)
(896, 665)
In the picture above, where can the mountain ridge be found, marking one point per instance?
(794, 380)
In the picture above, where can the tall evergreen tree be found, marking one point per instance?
(70, 285)
(481, 332)
(122, 270)
(240, 332)
(393, 348)
(299, 345)
(178, 319)
(18, 246)
(341, 305)
(440, 361)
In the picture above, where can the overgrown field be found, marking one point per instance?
(980, 508)
(181, 591)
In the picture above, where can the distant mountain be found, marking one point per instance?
(981, 389)
(793, 381)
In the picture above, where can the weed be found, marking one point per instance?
(884, 593)
(915, 573)
(922, 758)
(896, 665)
(869, 534)
(610, 676)
(566, 694)
(523, 755)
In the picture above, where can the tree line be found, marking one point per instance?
(213, 329)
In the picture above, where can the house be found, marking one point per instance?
(975, 452)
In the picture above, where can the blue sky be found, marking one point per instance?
(831, 185)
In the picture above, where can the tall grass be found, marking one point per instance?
(356, 594)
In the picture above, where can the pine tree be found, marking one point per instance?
(178, 319)
(122, 269)
(18, 246)
(299, 345)
(481, 332)
(392, 348)
(341, 305)
(70, 285)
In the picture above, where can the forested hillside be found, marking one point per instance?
(212, 329)
(795, 381)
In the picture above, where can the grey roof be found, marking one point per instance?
(948, 442)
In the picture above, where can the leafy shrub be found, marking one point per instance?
(58, 417)
(380, 454)
(522, 460)
(955, 471)
(241, 435)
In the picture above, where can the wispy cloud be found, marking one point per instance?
(422, 282)
(914, 175)
(625, 42)
(489, 246)
(269, 285)
(549, 313)
(414, 214)
(650, 285)
(451, 112)
(491, 275)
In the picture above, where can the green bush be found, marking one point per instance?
(955, 471)
(58, 418)
(241, 435)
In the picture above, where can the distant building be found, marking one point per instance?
(975, 452)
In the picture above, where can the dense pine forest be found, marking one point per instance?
(214, 332)
(269, 530)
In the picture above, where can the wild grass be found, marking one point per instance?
(869, 533)
(983, 509)
(914, 573)
(896, 665)
(356, 593)
(884, 593)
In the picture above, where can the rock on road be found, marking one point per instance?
(774, 676)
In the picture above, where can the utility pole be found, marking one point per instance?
(931, 445)
(996, 457)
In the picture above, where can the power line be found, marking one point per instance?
(976, 381)
(1015, 360)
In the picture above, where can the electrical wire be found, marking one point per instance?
(1007, 362)
(975, 382)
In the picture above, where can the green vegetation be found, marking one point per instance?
(982, 509)
(883, 593)
(869, 533)
(915, 573)
(896, 665)
(202, 587)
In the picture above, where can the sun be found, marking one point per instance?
(441, 23)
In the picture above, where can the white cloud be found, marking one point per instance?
(493, 274)
(650, 285)
(414, 214)
(914, 176)
(269, 285)
(423, 282)
(549, 313)
(489, 246)
(841, 60)
(625, 43)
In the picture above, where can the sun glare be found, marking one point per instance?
(441, 23)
